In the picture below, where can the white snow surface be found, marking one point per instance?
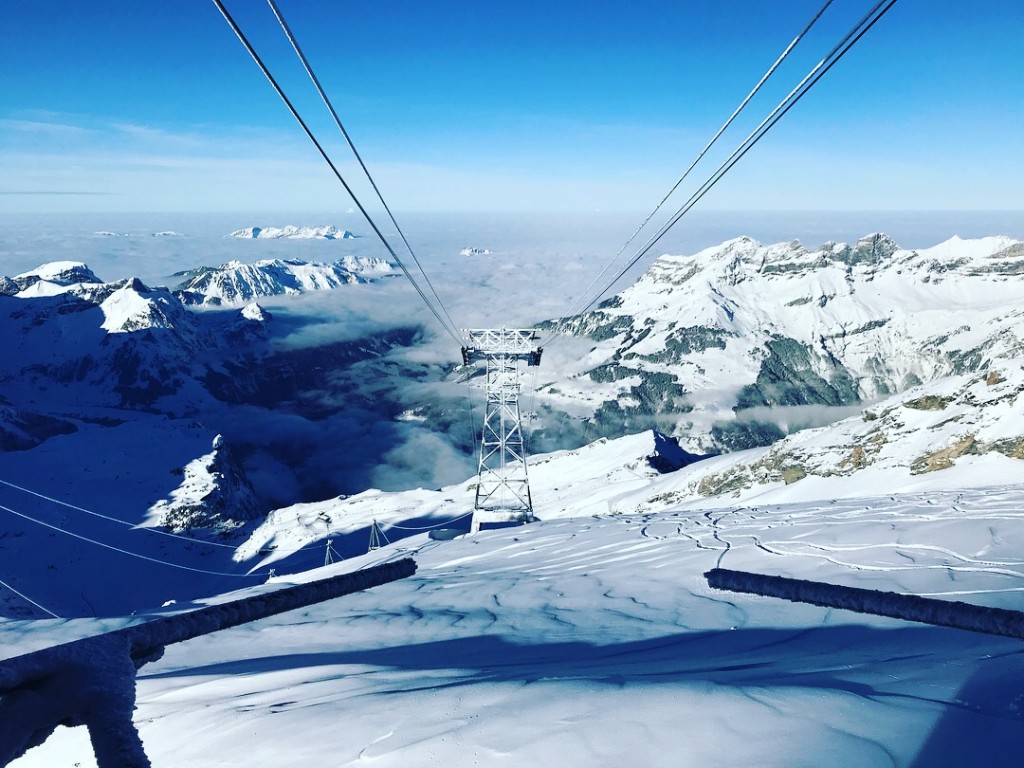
(135, 307)
(324, 232)
(63, 272)
(596, 640)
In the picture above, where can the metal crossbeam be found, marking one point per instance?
(503, 485)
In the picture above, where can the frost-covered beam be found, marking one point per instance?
(91, 681)
(941, 613)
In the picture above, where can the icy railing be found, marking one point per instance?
(926, 610)
(91, 681)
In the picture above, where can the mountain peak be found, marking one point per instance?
(135, 307)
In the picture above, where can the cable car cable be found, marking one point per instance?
(819, 71)
(337, 121)
(28, 599)
(117, 520)
(309, 133)
(700, 156)
(123, 551)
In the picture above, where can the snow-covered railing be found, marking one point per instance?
(91, 681)
(942, 613)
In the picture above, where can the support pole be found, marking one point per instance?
(927, 610)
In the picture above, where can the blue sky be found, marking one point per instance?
(140, 105)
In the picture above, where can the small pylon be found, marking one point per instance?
(330, 555)
(376, 536)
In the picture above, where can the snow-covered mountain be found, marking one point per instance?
(767, 330)
(51, 277)
(235, 282)
(325, 232)
(474, 251)
(132, 378)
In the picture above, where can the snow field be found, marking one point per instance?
(595, 641)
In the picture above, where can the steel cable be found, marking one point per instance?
(819, 71)
(337, 121)
(700, 156)
(323, 153)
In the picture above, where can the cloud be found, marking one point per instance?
(796, 417)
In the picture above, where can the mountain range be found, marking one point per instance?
(325, 232)
(736, 345)
(912, 357)
(592, 633)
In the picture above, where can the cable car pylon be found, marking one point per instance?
(330, 555)
(376, 537)
(503, 484)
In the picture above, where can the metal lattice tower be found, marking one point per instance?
(503, 486)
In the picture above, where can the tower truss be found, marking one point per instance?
(503, 484)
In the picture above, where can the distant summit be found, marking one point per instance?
(55, 273)
(166, 233)
(327, 232)
(475, 252)
(235, 282)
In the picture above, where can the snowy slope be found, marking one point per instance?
(58, 273)
(793, 332)
(596, 642)
(958, 432)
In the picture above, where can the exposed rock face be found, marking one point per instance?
(215, 496)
